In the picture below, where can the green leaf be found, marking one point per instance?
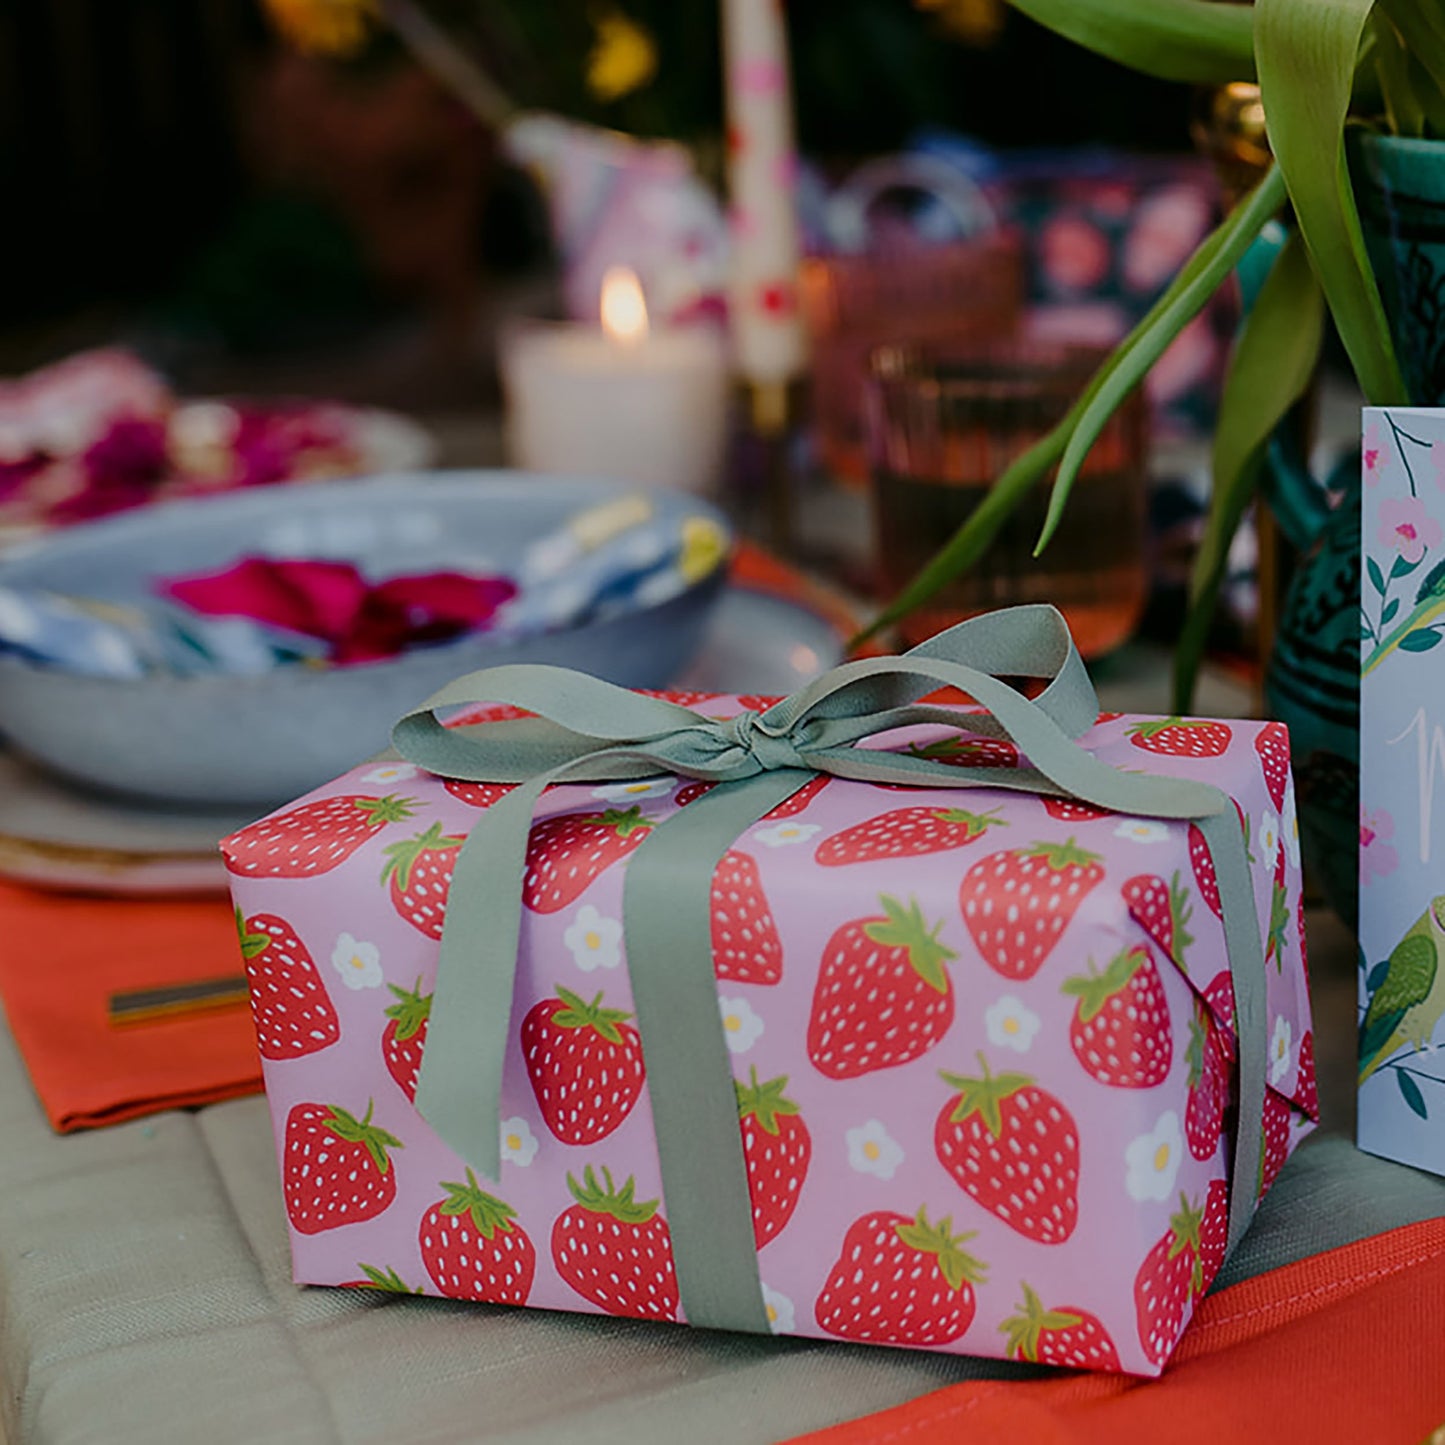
(1269, 370)
(1377, 578)
(1306, 52)
(1377, 975)
(1190, 40)
(1418, 29)
(1391, 608)
(1199, 279)
(1403, 111)
(1421, 640)
(1410, 1091)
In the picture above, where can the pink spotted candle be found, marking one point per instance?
(769, 347)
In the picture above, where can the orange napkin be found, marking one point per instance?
(1344, 1345)
(61, 957)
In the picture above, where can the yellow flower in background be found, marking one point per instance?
(623, 57)
(336, 28)
(704, 545)
(975, 22)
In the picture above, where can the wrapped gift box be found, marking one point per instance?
(982, 1046)
(1402, 750)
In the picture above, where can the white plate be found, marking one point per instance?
(54, 836)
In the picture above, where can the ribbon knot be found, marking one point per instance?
(771, 751)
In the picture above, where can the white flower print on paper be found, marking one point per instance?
(1268, 838)
(519, 1144)
(1010, 1025)
(1142, 830)
(358, 963)
(1152, 1160)
(741, 1026)
(780, 1311)
(389, 773)
(1281, 1050)
(594, 940)
(783, 835)
(635, 791)
(872, 1150)
(1289, 827)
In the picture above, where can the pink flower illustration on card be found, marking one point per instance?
(1374, 454)
(1377, 857)
(1406, 526)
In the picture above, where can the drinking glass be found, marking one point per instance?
(943, 426)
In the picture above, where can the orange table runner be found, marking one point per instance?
(1341, 1346)
(62, 956)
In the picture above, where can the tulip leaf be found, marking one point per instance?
(1269, 370)
(1200, 278)
(1197, 41)
(1306, 52)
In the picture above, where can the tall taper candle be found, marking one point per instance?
(767, 329)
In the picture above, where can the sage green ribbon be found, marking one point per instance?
(588, 730)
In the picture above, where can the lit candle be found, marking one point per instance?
(768, 339)
(624, 399)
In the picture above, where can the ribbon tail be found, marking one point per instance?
(667, 921)
(459, 1088)
(1246, 966)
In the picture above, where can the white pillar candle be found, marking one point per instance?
(621, 400)
(769, 346)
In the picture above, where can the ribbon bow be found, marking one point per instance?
(589, 730)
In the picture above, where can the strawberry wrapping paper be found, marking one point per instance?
(981, 1041)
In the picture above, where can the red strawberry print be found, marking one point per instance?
(1208, 1085)
(585, 1064)
(1015, 1148)
(293, 1013)
(760, 701)
(681, 696)
(1274, 1140)
(1167, 1283)
(1162, 910)
(1219, 995)
(489, 713)
(1203, 863)
(614, 1251)
(692, 792)
(905, 833)
(883, 996)
(1272, 745)
(403, 1040)
(311, 839)
(963, 750)
(794, 803)
(565, 855)
(1213, 1233)
(477, 795)
(1306, 1091)
(1299, 916)
(1066, 1336)
(1120, 1031)
(777, 1148)
(1072, 810)
(1175, 737)
(473, 1248)
(1280, 917)
(900, 1281)
(419, 874)
(1016, 904)
(387, 1280)
(335, 1169)
(745, 943)
(1107, 717)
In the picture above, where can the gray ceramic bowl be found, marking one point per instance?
(258, 741)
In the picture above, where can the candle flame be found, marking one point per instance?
(624, 312)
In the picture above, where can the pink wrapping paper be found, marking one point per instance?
(1003, 1027)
